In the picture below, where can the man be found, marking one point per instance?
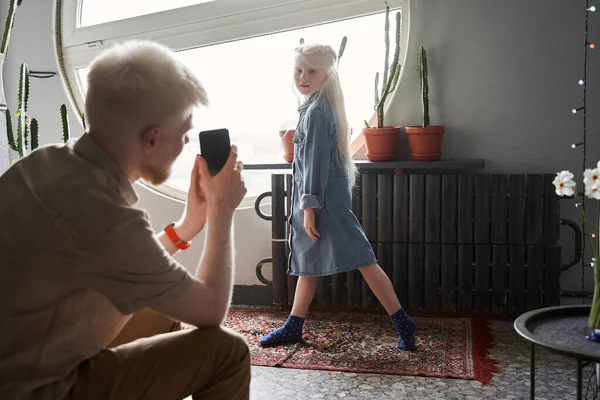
(77, 260)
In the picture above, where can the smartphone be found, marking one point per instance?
(215, 147)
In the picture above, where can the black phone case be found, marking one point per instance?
(215, 146)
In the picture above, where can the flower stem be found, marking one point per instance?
(594, 320)
(587, 228)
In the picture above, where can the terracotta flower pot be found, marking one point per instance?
(425, 143)
(381, 143)
(287, 140)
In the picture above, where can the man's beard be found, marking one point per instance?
(155, 174)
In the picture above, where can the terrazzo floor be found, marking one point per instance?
(556, 378)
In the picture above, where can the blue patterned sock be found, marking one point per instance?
(405, 326)
(290, 332)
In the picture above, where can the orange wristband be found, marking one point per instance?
(180, 244)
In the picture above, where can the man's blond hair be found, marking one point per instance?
(135, 85)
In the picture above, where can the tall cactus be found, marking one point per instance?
(66, 133)
(424, 85)
(28, 138)
(8, 24)
(390, 73)
(27, 130)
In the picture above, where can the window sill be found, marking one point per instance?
(444, 165)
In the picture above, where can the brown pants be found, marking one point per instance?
(152, 359)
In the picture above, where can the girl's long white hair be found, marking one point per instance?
(324, 57)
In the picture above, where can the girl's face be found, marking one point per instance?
(308, 79)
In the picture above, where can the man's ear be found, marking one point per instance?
(150, 138)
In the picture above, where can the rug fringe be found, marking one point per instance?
(483, 341)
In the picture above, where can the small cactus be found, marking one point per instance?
(341, 51)
(390, 73)
(424, 85)
(35, 136)
(66, 134)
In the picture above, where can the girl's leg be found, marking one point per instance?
(305, 292)
(291, 331)
(383, 289)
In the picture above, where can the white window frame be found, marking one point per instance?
(205, 24)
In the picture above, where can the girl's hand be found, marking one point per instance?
(309, 223)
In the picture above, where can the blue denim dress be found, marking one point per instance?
(320, 182)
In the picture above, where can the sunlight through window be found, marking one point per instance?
(250, 87)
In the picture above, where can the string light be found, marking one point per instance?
(576, 144)
(592, 9)
(591, 45)
(592, 263)
(581, 82)
(576, 110)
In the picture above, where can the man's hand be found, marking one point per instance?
(207, 301)
(309, 223)
(194, 216)
(224, 191)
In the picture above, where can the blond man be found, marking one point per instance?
(91, 298)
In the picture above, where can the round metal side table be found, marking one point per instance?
(561, 330)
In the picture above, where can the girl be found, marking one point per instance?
(326, 238)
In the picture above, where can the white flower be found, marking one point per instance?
(591, 176)
(593, 191)
(565, 186)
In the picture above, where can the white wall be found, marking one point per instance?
(503, 79)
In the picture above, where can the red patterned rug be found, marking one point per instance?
(366, 343)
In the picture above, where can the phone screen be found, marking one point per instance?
(214, 148)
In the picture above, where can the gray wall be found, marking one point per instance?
(503, 79)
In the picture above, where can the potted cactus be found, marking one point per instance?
(425, 141)
(27, 132)
(381, 141)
